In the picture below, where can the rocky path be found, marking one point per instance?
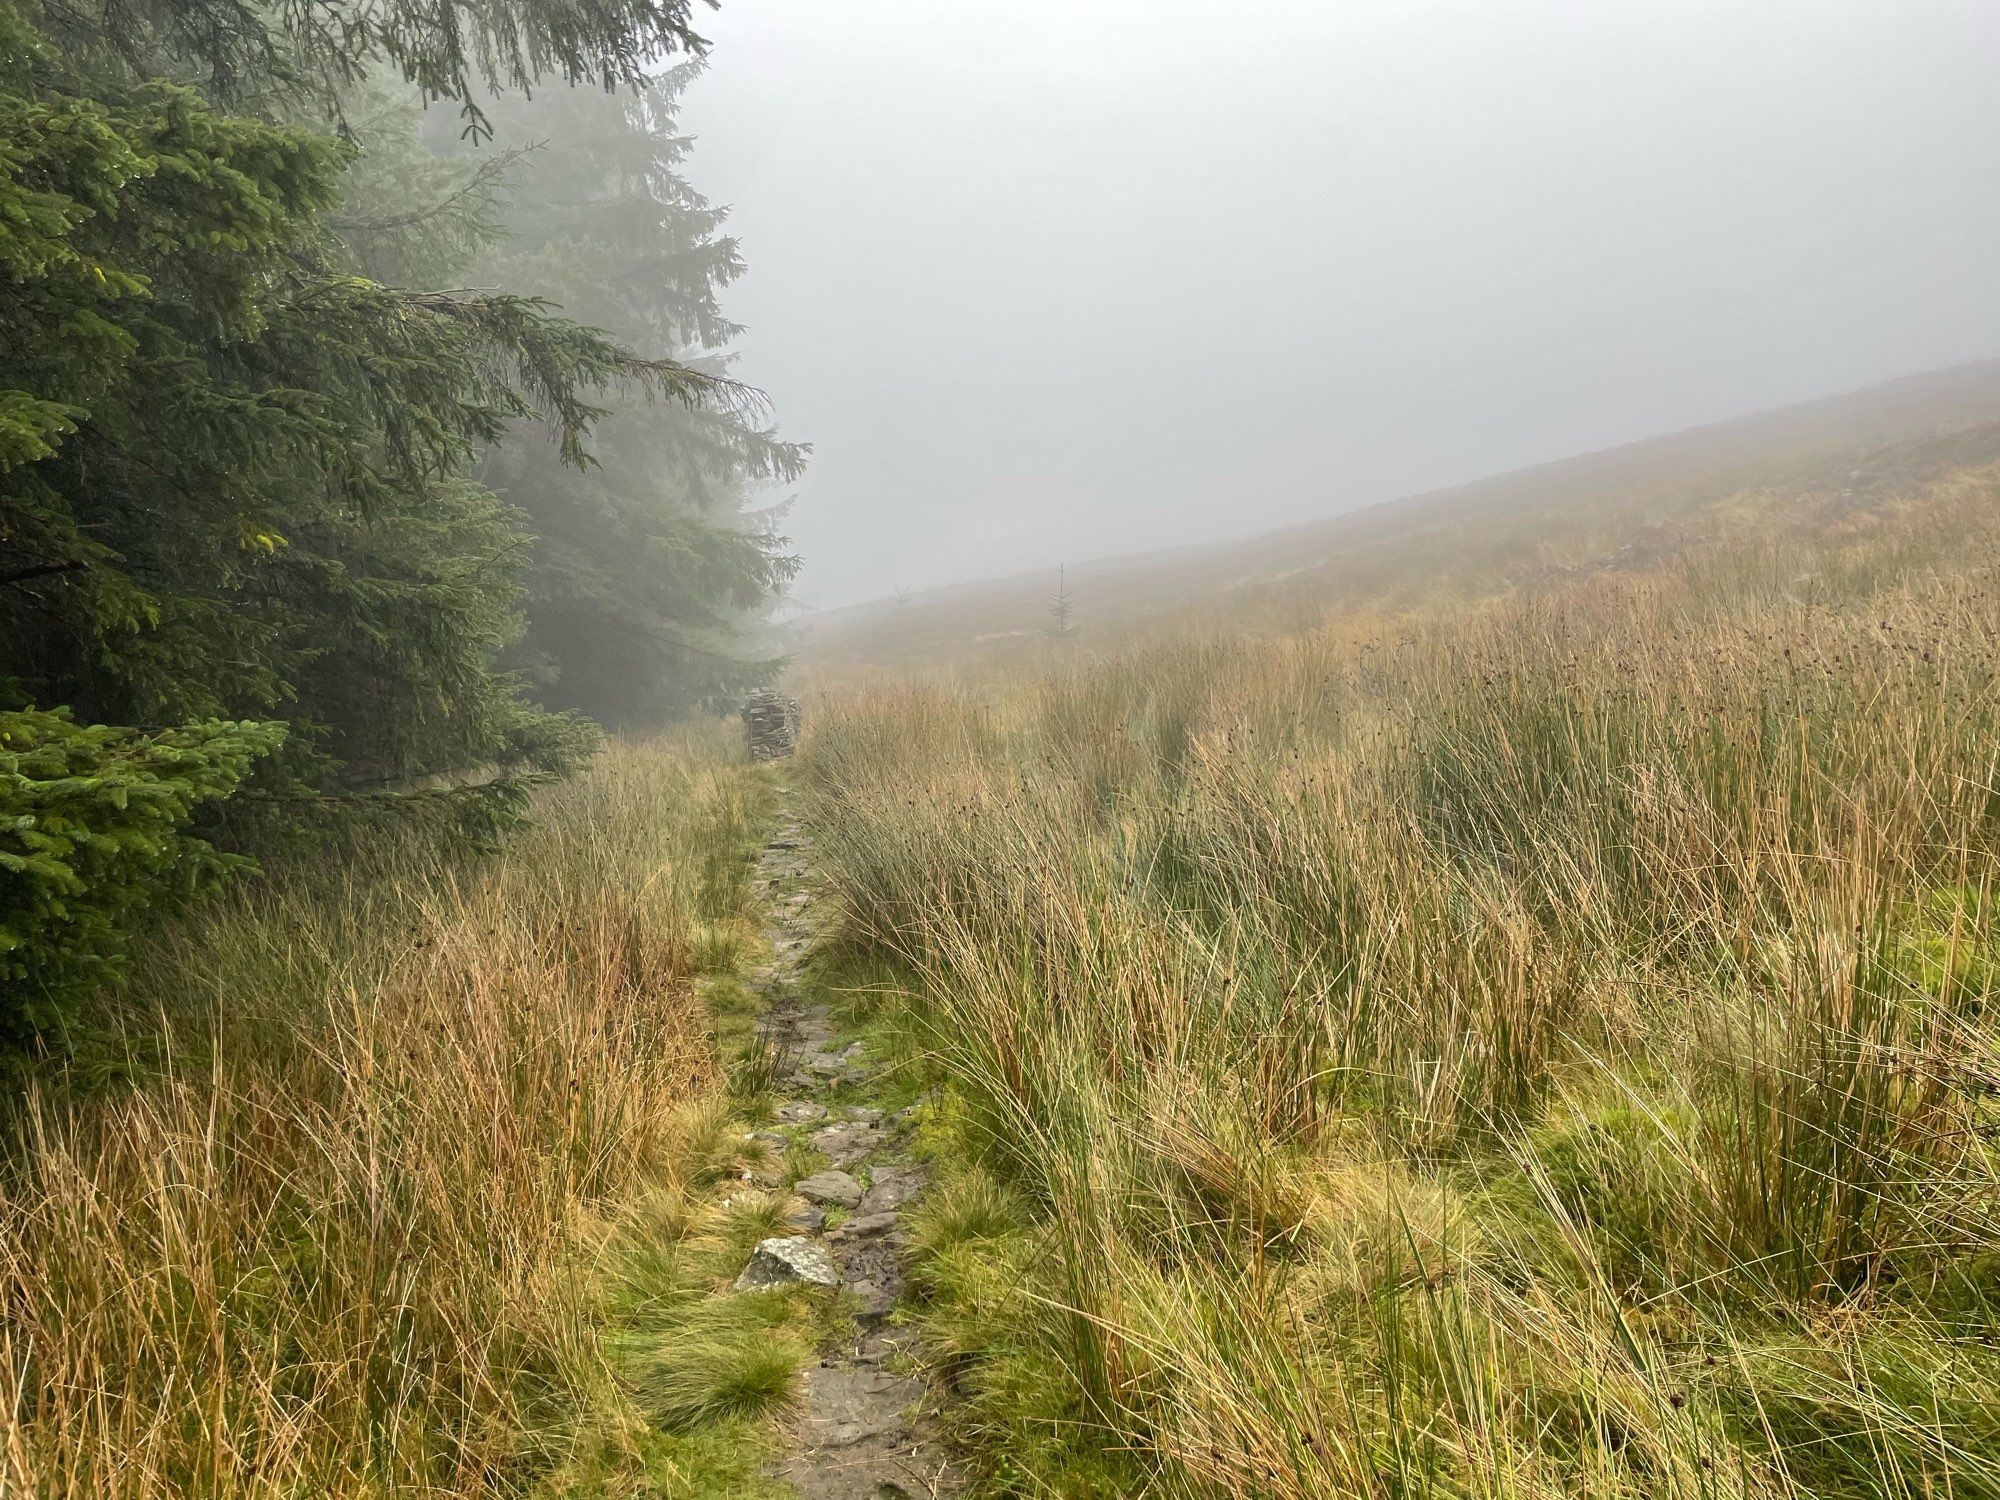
(863, 1434)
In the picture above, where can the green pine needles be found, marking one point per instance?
(247, 403)
(93, 825)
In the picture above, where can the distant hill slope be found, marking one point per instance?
(1492, 532)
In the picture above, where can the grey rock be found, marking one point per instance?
(857, 1441)
(877, 1260)
(859, 1064)
(806, 1220)
(845, 1145)
(876, 1346)
(867, 1226)
(849, 1406)
(890, 1188)
(801, 1111)
(877, 1302)
(830, 1189)
(788, 1262)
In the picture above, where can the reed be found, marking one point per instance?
(357, 1229)
(1542, 1045)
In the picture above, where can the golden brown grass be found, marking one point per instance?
(1545, 1047)
(350, 1239)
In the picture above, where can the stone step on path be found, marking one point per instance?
(864, 1433)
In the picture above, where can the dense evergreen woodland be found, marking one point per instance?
(367, 434)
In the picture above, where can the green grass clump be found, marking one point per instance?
(719, 1364)
(1017, 1405)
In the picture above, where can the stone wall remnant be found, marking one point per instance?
(770, 724)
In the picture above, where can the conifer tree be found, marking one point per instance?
(236, 516)
(232, 480)
(1062, 609)
(649, 564)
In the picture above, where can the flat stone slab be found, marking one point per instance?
(793, 1261)
(856, 1443)
(844, 1145)
(830, 1190)
(891, 1188)
(877, 1302)
(867, 1226)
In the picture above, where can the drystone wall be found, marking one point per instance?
(770, 724)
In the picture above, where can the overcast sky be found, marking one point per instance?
(1044, 283)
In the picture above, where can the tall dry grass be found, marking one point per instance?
(1543, 1048)
(345, 1242)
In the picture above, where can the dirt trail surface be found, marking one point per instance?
(863, 1434)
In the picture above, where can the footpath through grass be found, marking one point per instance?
(1543, 1049)
(426, 1183)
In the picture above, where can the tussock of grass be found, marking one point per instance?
(724, 1362)
(745, 1218)
(967, 1207)
(1545, 1048)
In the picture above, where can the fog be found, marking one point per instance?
(1049, 283)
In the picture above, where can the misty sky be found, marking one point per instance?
(1043, 283)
